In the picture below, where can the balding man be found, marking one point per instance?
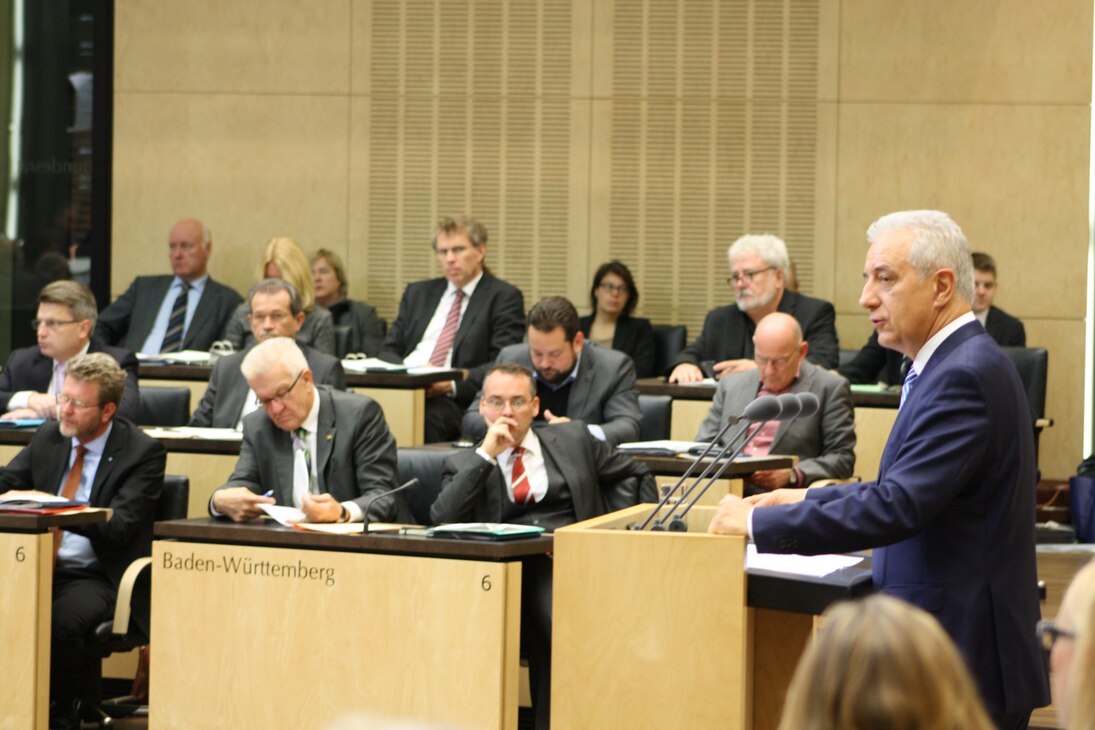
(758, 272)
(824, 442)
(185, 311)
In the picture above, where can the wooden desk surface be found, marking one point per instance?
(675, 466)
(398, 381)
(10, 522)
(271, 534)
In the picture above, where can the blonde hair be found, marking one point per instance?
(288, 256)
(1079, 605)
(882, 663)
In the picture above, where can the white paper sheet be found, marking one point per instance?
(810, 565)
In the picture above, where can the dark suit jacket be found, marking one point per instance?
(951, 516)
(1005, 329)
(129, 480)
(728, 332)
(824, 442)
(494, 318)
(603, 393)
(635, 338)
(366, 328)
(317, 330)
(874, 363)
(130, 318)
(357, 454)
(222, 403)
(600, 479)
(28, 369)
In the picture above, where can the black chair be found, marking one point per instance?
(342, 340)
(120, 634)
(657, 417)
(164, 407)
(1032, 363)
(669, 340)
(423, 463)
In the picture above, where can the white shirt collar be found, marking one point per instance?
(929, 348)
(311, 422)
(530, 443)
(98, 444)
(468, 288)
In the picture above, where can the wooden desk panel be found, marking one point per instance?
(25, 629)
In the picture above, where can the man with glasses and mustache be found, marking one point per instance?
(309, 446)
(276, 311)
(758, 274)
(824, 442)
(33, 376)
(92, 456)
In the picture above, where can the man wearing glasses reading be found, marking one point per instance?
(276, 311)
(309, 446)
(33, 376)
(90, 456)
(758, 271)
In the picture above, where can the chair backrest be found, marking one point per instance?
(669, 340)
(163, 406)
(425, 464)
(1033, 366)
(342, 340)
(657, 416)
(175, 500)
(846, 356)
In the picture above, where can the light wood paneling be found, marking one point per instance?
(975, 51)
(252, 167)
(245, 46)
(25, 629)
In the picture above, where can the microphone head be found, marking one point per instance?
(791, 406)
(809, 402)
(764, 408)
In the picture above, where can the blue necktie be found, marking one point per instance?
(172, 339)
(910, 381)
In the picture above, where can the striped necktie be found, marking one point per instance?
(910, 381)
(172, 339)
(448, 332)
(519, 479)
(302, 437)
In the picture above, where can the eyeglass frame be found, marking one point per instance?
(747, 277)
(1049, 633)
(52, 324)
(614, 288)
(515, 403)
(279, 397)
(64, 399)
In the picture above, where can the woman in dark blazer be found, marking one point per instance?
(614, 297)
(366, 328)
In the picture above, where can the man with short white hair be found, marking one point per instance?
(758, 275)
(951, 514)
(184, 311)
(322, 450)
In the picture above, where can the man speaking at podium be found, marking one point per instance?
(550, 476)
(952, 510)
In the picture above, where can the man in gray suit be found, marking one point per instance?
(549, 476)
(185, 311)
(275, 312)
(576, 382)
(824, 441)
(327, 452)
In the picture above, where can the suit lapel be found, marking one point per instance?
(60, 451)
(476, 306)
(146, 316)
(582, 386)
(283, 462)
(201, 315)
(325, 436)
(553, 447)
(111, 452)
(802, 385)
(738, 400)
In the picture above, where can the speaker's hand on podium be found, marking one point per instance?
(731, 517)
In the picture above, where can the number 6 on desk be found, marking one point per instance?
(485, 582)
(20, 555)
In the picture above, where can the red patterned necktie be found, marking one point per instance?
(448, 332)
(521, 491)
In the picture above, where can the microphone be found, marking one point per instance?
(677, 524)
(810, 404)
(368, 504)
(761, 409)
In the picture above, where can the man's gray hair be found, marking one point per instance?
(770, 248)
(938, 244)
(274, 352)
(273, 286)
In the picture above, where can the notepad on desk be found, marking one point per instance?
(488, 531)
(184, 357)
(661, 447)
(372, 365)
(35, 502)
(191, 432)
(21, 422)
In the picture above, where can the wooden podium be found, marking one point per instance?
(658, 629)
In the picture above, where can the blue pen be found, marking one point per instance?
(269, 493)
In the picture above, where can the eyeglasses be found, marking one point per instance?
(746, 276)
(278, 397)
(274, 317)
(500, 403)
(64, 400)
(614, 288)
(778, 362)
(1049, 632)
(52, 324)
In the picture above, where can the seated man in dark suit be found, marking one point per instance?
(590, 384)
(875, 365)
(275, 312)
(186, 311)
(322, 450)
(758, 271)
(89, 455)
(549, 476)
(462, 320)
(33, 376)
(1005, 329)
(824, 442)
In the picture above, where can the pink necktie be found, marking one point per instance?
(448, 332)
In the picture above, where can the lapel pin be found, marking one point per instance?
(329, 437)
